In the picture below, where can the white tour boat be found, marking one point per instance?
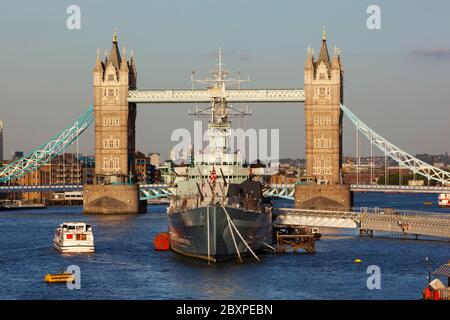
(74, 237)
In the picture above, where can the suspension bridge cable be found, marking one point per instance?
(397, 154)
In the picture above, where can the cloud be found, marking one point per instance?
(433, 53)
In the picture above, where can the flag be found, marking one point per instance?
(213, 176)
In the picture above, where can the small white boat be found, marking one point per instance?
(74, 237)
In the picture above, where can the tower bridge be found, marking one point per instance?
(114, 110)
(116, 97)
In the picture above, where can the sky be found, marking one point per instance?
(396, 79)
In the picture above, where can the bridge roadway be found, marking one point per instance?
(148, 190)
(285, 191)
(371, 220)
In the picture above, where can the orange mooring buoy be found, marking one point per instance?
(161, 242)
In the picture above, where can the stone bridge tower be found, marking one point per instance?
(114, 189)
(323, 116)
(323, 93)
(114, 117)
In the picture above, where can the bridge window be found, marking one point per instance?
(322, 76)
(111, 122)
(322, 120)
(111, 77)
(322, 165)
(316, 143)
(322, 143)
(116, 143)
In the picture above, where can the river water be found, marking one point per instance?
(125, 265)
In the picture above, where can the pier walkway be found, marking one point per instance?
(370, 220)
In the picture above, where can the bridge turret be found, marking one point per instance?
(133, 72)
(99, 69)
(309, 66)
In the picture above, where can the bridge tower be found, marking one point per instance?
(323, 117)
(113, 190)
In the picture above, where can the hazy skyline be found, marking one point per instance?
(396, 78)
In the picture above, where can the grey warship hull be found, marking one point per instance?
(206, 233)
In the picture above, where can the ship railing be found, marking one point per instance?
(194, 201)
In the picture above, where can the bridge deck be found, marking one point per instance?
(385, 220)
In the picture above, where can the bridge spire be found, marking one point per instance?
(323, 55)
(98, 63)
(114, 55)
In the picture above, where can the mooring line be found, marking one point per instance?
(239, 234)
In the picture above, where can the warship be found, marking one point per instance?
(218, 211)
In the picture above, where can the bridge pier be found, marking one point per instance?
(112, 199)
(322, 196)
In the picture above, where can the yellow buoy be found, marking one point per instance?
(59, 277)
(358, 260)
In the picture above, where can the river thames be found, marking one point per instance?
(125, 265)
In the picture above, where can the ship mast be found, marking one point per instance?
(219, 110)
(219, 113)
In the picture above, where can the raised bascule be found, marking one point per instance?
(114, 110)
